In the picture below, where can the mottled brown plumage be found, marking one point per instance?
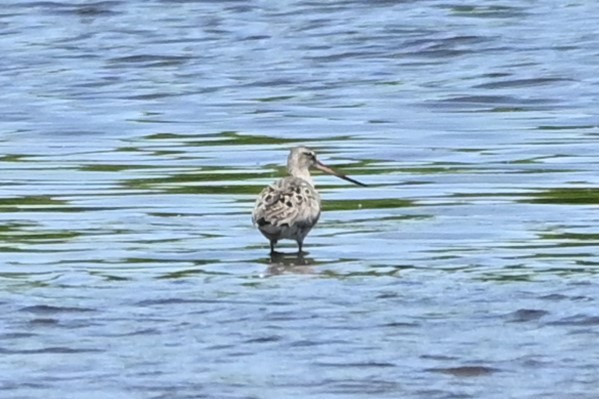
(290, 207)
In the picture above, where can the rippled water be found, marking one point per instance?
(135, 136)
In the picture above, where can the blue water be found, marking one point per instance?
(135, 136)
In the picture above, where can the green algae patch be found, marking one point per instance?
(567, 196)
(384, 203)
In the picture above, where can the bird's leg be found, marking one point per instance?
(300, 244)
(272, 246)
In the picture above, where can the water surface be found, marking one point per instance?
(136, 135)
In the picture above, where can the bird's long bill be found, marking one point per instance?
(333, 172)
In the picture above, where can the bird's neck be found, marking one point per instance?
(303, 174)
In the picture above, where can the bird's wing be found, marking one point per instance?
(288, 204)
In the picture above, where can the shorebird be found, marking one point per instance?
(290, 207)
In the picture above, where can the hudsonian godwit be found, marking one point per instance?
(290, 207)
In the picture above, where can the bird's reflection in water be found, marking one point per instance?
(297, 262)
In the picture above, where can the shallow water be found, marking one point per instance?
(136, 135)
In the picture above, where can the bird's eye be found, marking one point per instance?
(310, 154)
